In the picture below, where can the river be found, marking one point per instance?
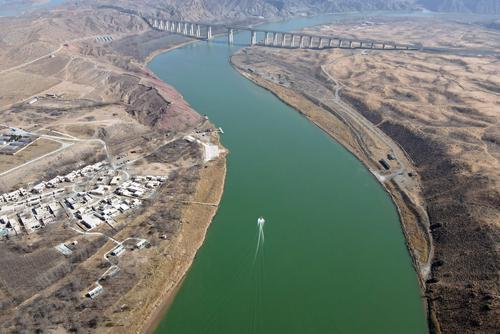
(334, 258)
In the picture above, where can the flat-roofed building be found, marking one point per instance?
(95, 292)
(90, 221)
(55, 208)
(118, 250)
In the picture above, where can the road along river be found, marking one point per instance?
(333, 258)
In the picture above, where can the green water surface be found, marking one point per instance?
(334, 258)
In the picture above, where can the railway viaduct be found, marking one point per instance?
(272, 38)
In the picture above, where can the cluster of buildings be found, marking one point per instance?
(92, 195)
(14, 140)
(140, 185)
(72, 177)
(114, 201)
(29, 220)
(105, 210)
(21, 211)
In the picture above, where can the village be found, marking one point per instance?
(93, 200)
(93, 195)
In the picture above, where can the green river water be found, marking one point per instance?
(334, 258)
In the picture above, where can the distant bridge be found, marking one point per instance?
(271, 38)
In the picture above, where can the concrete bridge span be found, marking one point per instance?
(271, 38)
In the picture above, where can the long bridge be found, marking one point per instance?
(271, 38)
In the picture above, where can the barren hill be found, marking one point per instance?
(243, 9)
(491, 7)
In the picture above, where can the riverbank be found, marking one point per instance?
(360, 138)
(170, 48)
(160, 287)
(447, 136)
(349, 136)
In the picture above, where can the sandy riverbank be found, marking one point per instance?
(147, 302)
(413, 218)
(442, 177)
(196, 220)
(157, 291)
(155, 53)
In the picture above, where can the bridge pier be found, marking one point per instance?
(266, 40)
(292, 42)
(198, 31)
(209, 33)
(230, 36)
(185, 30)
(191, 30)
(253, 37)
(283, 40)
(311, 41)
(275, 39)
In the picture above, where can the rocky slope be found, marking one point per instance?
(243, 9)
(491, 7)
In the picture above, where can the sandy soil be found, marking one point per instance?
(442, 111)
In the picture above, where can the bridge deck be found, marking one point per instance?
(390, 45)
